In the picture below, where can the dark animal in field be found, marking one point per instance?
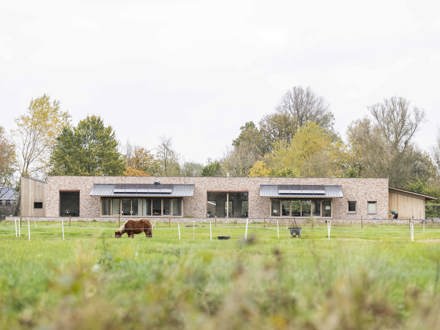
(132, 227)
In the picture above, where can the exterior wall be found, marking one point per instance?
(407, 206)
(32, 191)
(359, 190)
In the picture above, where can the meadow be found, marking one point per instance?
(372, 277)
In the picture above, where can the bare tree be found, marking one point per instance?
(168, 158)
(305, 106)
(397, 120)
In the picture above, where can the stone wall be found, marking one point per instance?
(359, 190)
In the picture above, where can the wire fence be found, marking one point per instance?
(208, 229)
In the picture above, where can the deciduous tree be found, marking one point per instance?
(168, 158)
(142, 160)
(7, 159)
(313, 152)
(36, 134)
(304, 106)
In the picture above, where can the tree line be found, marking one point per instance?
(298, 139)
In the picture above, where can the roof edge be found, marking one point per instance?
(412, 193)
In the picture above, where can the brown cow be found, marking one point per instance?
(132, 227)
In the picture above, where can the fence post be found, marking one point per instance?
(19, 227)
(16, 227)
(246, 229)
(178, 230)
(210, 230)
(29, 229)
(329, 224)
(62, 227)
(411, 230)
(278, 229)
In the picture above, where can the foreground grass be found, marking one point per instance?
(366, 278)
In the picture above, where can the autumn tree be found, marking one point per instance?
(88, 149)
(7, 159)
(140, 162)
(36, 134)
(168, 158)
(260, 169)
(313, 152)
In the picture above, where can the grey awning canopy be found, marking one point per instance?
(301, 191)
(142, 190)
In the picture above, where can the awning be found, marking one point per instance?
(142, 190)
(301, 191)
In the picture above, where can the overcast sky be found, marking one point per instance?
(196, 71)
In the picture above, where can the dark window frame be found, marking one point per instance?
(38, 205)
(353, 208)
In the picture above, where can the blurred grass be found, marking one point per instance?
(363, 278)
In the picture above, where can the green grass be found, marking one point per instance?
(363, 278)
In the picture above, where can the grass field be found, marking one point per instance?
(362, 278)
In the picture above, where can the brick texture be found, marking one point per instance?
(359, 190)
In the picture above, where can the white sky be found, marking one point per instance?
(196, 71)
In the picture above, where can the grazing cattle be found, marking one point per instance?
(132, 227)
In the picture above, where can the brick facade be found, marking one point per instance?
(359, 190)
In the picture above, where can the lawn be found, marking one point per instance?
(362, 278)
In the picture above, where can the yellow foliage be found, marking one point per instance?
(313, 152)
(260, 169)
(130, 171)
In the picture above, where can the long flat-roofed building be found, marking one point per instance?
(101, 197)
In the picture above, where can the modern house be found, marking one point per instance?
(106, 197)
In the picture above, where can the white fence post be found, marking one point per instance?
(16, 228)
(278, 229)
(411, 229)
(19, 227)
(210, 230)
(29, 230)
(246, 229)
(178, 230)
(329, 228)
(62, 227)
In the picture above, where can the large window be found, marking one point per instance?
(69, 203)
(141, 206)
(227, 204)
(301, 207)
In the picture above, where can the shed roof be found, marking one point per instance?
(398, 190)
(301, 191)
(142, 190)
